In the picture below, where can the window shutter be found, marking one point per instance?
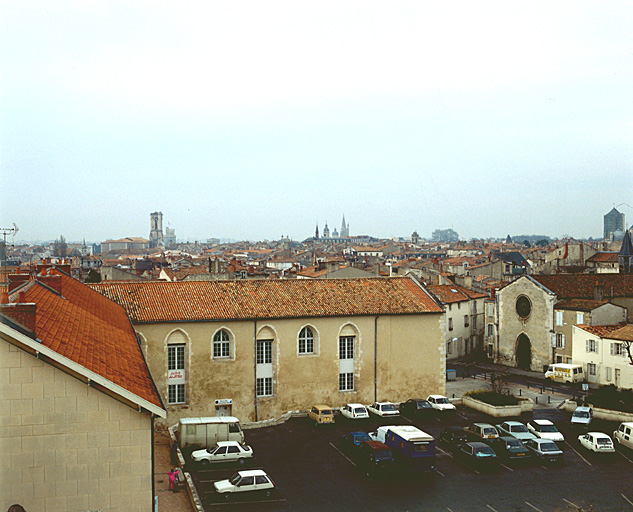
(596, 346)
(587, 346)
(612, 348)
(562, 338)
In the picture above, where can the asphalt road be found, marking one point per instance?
(312, 474)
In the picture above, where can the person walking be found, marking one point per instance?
(173, 473)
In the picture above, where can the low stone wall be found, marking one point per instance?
(499, 411)
(601, 414)
(274, 421)
(189, 485)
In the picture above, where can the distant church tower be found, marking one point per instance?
(344, 228)
(625, 256)
(316, 233)
(326, 231)
(156, 229)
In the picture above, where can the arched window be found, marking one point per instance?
(221, 345)
(306, 341)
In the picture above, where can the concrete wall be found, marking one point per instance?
(410, 362)
(67, 446)
(536, 326)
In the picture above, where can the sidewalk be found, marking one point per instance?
(167, 501)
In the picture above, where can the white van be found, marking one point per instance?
(563, 372)
(623, 436)
(206, 432)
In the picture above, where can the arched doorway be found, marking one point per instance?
(524, 352)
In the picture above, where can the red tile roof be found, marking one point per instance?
(580, 304)
(91, 330)
(582, 286)
(603, 331)
(604, 257)
(453, 293)
(157, 301)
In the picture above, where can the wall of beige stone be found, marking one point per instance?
(410, 363)
(537, 326)
(66, 446)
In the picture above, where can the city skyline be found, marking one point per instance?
(252, 124)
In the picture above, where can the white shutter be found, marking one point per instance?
(562, 337)
(587, 346)
(612, 349)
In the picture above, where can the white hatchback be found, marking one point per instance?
(441, 403)
(225, 451)
(355, 411)
(597, 442)
(545, 429)
(254, 481)
(384, 409)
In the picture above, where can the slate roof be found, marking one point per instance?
(582, 286)
(627, 246)
(87, 328)
(195, 301)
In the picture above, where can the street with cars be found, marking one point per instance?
(316, 466)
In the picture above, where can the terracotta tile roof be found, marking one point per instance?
(91, 330)
(603, 331)
(604, 257)
(181, 273)
(582, 286)
(155, 301)
(580, 304)
(453, 293)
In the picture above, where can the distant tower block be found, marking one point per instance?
(156, 229)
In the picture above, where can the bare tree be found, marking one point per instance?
(60, 247)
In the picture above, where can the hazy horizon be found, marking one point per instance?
(254, 121)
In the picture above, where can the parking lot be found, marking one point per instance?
(312, 473)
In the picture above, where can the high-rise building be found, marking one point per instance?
(613, 221)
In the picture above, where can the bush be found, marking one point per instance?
(610, 397)
(493, 398)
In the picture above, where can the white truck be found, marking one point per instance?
(206, 432)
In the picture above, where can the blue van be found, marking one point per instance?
(413, 449)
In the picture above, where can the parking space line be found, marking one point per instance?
(351, 461)
(530, 505)
(570, 503)
(445, 453)
(449, 510)
(460, 414)
(631, 461)
(576, 451)
(493, 510)
(544, 467)
(628, 500)
(509, 469)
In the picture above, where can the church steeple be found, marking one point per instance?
(625, 256)
(316, 233)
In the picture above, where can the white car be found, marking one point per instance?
(440, 403)
(354, 411)
(225, 451)
(545, 429)
(384, 409)
(253, 481)
(597, 442)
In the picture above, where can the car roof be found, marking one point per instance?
(486, 425)
(540, 440)
(477, 444)
(383, 403)
(582, 408)
(321, 407)
(512, 423)
(599, 434)
(228, 443)
(543, 422)
(356, 405)
(252, 472)
(454, 428)
(509, 438)
(437, 396)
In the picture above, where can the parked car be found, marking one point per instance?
(623, 436)
(545, 429)
(225, 451)
(545, 449)
(375, 458)
(321, 415)
(453, 437)
(597, 442)
(355, 411)
(441, 403)
(581, 417)
(416, 408)
(478, 455)
(481, 431)
(352, 440)
(515, 429)
(251, 482)
(510, 448)
(384, 409)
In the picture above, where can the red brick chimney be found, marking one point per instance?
(16, 280)
(54, 282)
(22, 313)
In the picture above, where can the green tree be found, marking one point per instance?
(93, 276)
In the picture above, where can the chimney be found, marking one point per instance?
(598, 291)
(16, 280)
(22, 313)
(54, 282)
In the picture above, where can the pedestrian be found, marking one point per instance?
(172, 479)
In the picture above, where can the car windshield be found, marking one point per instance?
(441, 400)
(213, 450)
(518, 428)
(235, 478)
(484, 450)
(382, 455)
(602, 440)
(388, 407)
(423, 405)
(581, 414)
(547, 428)
(549, 447)
(489, 431)
(360, 410)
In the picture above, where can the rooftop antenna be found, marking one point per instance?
(4, 285)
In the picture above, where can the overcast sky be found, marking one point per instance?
(253, 120)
